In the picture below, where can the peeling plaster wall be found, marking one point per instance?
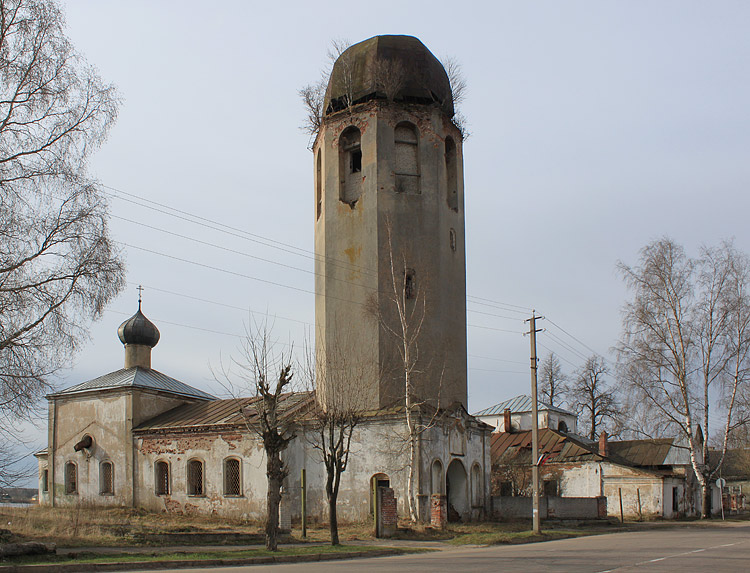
(212, 449)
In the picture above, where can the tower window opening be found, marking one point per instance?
(356, 160)
(350, 166)
(452, 239)
(407, 159)
(451, 172)
(410, 284)
(45, 480)
(319, 187)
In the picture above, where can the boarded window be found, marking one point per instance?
(319, 187)
(162, 478)
(106, 479)
(407, 159)
(232, 484)
(451, 171)
(195, 483)
(350, 166)
(71, 478)
(45, 480)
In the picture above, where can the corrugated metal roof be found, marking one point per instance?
(230, 412)
(137, 377)
(519, 404)
(515, 448)
(642, 452)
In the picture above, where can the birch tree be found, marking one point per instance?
(58, 265)
(684, 347)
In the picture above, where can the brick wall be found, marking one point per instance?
(438, 510)
(387, 512)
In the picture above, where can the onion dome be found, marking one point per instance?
(398, 68)
(138, 330)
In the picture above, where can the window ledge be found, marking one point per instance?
(233, 495)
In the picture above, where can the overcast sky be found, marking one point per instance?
(595, 127)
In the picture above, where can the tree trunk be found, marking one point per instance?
(275, 473)
(706, 505)
(333, 518)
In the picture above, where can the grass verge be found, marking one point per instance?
(201, 556)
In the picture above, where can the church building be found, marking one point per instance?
(390, 314)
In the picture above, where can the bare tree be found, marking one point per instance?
(458, 85)
(684, 347)
(553, 382)
(274, 412)
(339, 388)
(58, 265)
(591, 396)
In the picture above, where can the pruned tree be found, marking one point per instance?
(58, 265)
(685, 343)
(553, 382)
(272, 414)
(592, 398)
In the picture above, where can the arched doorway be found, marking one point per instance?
(376, 481)
(457, 490)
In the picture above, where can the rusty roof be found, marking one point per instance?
(649, 453)
(231, 412)
(515, 447)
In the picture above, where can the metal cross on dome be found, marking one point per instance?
(140, 292)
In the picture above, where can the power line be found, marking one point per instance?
(586, 346)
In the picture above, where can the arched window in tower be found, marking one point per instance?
(350, 166)
(451, 170)
(319, 187)
(407, 159)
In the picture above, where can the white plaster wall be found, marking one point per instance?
(581, 480)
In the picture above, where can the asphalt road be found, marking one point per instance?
(713, 548)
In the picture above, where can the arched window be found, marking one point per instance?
(195, 478)
(451, 171)
(436, 478)
(232, 477)
(319, 187)
(477, 492)
(562, 426)
(407, 159)
(161, 478)
(45, 481)
(350, 166)
(71, 478)
(106, 478)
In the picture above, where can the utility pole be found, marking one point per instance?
(534, 428)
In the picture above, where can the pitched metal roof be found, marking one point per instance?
(519, 404)
(230, 412)
(515, 448)
(643, 452)
(137, 377)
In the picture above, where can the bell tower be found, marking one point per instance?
(389, 228)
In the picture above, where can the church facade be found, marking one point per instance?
(390, 331)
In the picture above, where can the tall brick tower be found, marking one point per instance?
(389, 224)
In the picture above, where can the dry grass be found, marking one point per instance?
(83, 526)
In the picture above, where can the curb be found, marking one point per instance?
(193, 563)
